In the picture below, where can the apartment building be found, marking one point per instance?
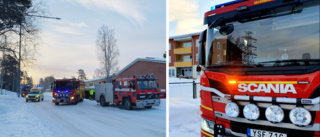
(183, 55)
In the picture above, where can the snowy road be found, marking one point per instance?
(18, 118)
(184, 111)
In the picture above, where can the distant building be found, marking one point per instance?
(183, 55)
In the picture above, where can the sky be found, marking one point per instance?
(69, 44)
(186, 16)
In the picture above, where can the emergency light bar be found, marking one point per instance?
(226, 4)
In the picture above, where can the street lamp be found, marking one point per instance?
(18, 79)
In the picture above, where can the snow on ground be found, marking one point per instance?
(184, 111)
(20, 118)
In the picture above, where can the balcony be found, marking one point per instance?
(187, 50)
(183, 64)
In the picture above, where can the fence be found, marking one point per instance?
(194, 85)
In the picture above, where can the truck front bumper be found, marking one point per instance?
(62, 100)
(147, 102)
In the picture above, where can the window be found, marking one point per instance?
(197, 57)
(218, 58)
(125, 85)
(187, 44)
(169, 46)
(173, 71)
(169, 59)
(197, 42)
(119, 84)
(170, 72)
(187, 58)
(131, 84)
(90, 84)
(218, 45)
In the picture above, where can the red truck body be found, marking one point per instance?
(258, 80)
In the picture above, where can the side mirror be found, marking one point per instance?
(198, 68)
(226, 30)
(201, 54)
(134, 86)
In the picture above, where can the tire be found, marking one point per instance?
(42, 99)
(39, 100)
(148, 107)
(127, 104)
(57, 103)
(102, 101)
(26, 100)
(77, 100)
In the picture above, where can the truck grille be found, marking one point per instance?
(31, 97)
(148, 96)
(242, 128)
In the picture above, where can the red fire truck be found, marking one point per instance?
(128, 92)
(67, 91)
(261, 69)
(25, 90)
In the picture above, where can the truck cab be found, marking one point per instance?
(25, 90)
(261, 69)
(67, 91)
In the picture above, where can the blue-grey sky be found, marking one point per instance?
(69, 44)
(186, 16)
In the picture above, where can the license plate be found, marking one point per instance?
(263, 133)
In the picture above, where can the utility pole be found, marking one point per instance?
(19, 69)
(2, 67)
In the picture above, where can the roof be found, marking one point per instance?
(148, 59)
(184, 37)
(95, 79)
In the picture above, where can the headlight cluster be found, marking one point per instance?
(207, 125)
(298, 116)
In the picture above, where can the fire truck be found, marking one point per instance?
(260, 63)
(25, 90)
(67, 91)
(141, 92)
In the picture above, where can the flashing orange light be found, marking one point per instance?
(232, 82)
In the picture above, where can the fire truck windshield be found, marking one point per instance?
(64, 85)
(292, 39)
(147, 84)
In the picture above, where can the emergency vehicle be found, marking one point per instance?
(25, 90)
(261, 69)
(141, 92)
(67, 91)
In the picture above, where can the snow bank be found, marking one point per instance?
(184, 111)
(87, 118)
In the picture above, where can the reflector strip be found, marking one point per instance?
(206, 134)
(269, 82)
(206, 107)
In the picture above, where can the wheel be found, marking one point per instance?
(127, 104)
(148, 107)
(39, 100)
(42, 99)
(57, 103)
(102, 101)
(26, 100)
(77, 100)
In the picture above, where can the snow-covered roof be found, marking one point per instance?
(149, 59)
(95, 79)
(184, 36)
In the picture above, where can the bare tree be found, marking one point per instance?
(82, 75)
(108, 51)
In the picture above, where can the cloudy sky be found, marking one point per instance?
(186, 16)
(69, 44)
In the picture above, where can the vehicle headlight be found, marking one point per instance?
(274, 113)
(37, 95)
(251, 112)
(232, 109)
(72, 98)
(300, 116)
(207, 125)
